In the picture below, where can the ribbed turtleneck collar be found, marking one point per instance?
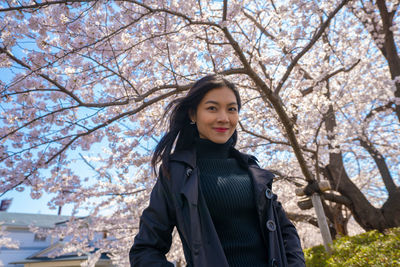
(206, 149)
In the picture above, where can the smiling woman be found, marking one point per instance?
(219, 199)
(217, 115)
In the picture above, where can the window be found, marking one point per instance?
(39, 238)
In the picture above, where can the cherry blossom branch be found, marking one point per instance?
(11, 132)
(386, 46)
(328, 76)
(175, 13)
(284, 49)
(116, 118)
(61, 88)
(269, 139)
(110, 178)
(38, 5)
(315, 38)
(278, 106)
(385, 107)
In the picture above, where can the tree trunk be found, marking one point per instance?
(338, 226)
(364, 213)
(391, 210)
(389, 49)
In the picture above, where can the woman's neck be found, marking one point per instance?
(206, 149)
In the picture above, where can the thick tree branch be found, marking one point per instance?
(391, 54)
(302, 218)
(225, 10)
(269, 139)
(336, 173)
(276, 102)
(340, 199)
(381, 164)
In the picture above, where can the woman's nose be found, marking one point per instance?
(223, 117)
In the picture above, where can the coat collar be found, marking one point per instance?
(189, 157)
(185, 156)
(190, 187)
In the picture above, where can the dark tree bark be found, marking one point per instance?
(389, 49)
(364, 213)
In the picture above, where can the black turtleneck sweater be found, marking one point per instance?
(228, 191)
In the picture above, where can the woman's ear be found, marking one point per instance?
(192, 115)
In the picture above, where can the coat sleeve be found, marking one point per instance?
(154, 238)
(291, 240)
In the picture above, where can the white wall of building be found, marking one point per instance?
(27, 246)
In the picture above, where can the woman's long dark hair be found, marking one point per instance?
(179, 122)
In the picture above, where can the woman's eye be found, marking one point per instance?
(232, 109)
(211, 108)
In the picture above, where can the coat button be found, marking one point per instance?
(274, 263)
(196, 251)
(188, 172)
(268, 193)
(271, 225)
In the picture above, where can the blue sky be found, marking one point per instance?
(22, 201)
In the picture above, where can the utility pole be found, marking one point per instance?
(313, 199)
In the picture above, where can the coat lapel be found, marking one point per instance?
(190, 188)
(190, 184)
(262, 179)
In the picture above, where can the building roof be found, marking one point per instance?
(103, 258)
(27, 219)
(45, 255)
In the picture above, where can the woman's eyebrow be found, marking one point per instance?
(217, 103)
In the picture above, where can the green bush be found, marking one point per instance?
(368, 249)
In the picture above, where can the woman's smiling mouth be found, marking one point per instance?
(221, 130)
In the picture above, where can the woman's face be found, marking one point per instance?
(217, 115)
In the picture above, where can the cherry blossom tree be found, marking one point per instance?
(90, 80)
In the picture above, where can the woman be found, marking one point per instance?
(219, 199)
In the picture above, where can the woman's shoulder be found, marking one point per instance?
(184, 156)
(244, 158)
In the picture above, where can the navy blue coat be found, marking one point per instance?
(179, 202)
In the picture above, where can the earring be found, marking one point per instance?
(192, 122)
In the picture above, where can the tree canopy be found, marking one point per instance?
(320, 82)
